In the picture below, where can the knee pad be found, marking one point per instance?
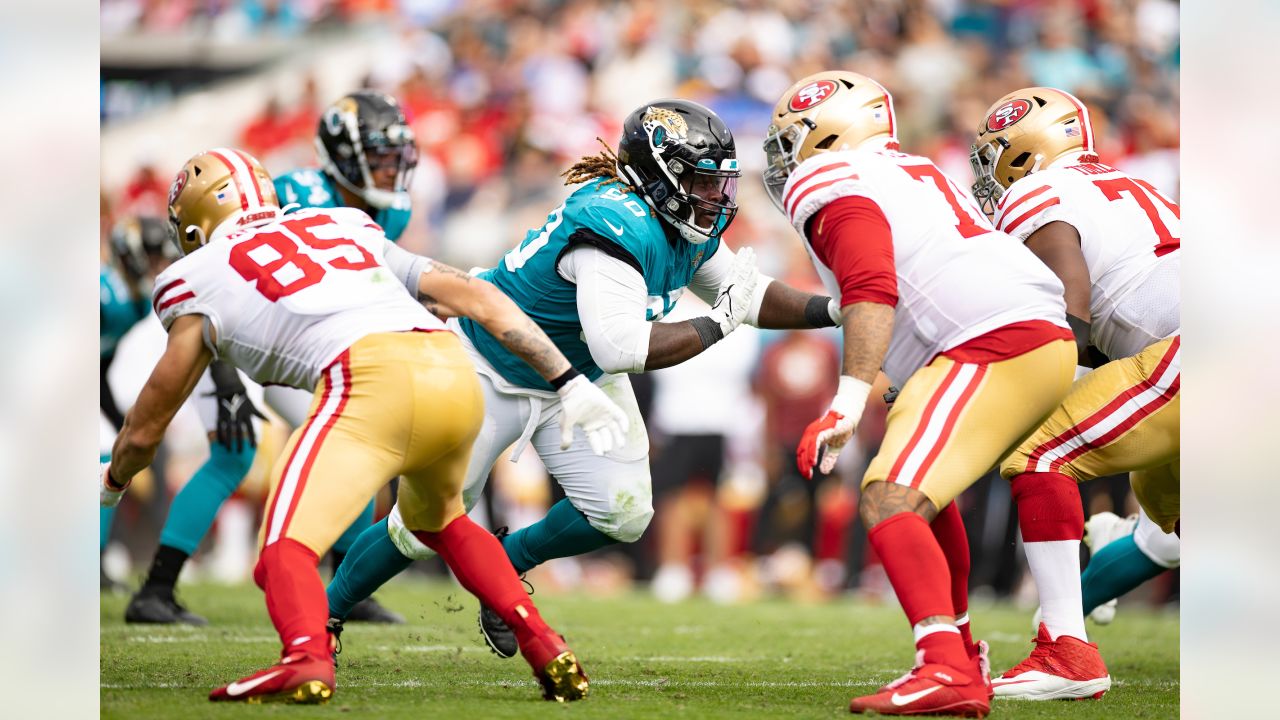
(628, 518)
(1163, 549)
(408, 545)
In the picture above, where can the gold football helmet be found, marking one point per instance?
(827, 111)
(218, 191)
(1024, 132)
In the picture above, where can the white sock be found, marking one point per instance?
(1055, 565)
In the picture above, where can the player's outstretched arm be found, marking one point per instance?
(448, 291)
(185, 359)
(774, 305)
(1057, 244)
(582, 404)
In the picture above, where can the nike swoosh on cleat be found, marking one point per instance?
(239, 688)
(900, 700)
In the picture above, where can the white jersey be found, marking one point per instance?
(1130, 235)
(957, 277)
(283, 300)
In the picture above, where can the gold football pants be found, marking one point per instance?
(404, 404)
(954, 421)
(1124, 416)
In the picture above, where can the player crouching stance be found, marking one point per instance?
(1115, 243)
(318, 299)
(972, 323)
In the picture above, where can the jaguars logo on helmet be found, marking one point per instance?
(680, 157)
(361, 134)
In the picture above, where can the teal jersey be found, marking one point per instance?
(609, 218)
(312, 188)
(117, 312)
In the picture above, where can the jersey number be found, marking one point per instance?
(1142, 193)
(966, 223)
(280, 266)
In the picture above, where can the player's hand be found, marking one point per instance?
(585, 405)
(825, 437)
(235, 410)
(109, 492)
(734, 299)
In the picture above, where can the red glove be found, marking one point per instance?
(832, 431)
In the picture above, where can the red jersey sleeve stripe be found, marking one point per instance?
(787, 200)
(1019, 201)
(1010, 227)
(155, 302)
(175, 300)
(791, 210)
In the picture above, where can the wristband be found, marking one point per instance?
(851, 398)
(563, 378)
(708, 330)
(817, 312)
(111, 482)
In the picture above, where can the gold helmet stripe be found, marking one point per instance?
(893, 123)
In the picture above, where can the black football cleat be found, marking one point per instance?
(159, 607)
(334, 628)
(500, 639)
(371, 611)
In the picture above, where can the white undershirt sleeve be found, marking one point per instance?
(708, 278)
(611, 303)
(406, 266)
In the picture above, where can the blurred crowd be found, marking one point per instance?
(505, 95)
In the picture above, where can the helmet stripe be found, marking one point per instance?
(244, 178)
(1087, 130)
(257, 189)
(888, 100)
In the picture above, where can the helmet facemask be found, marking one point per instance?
(704, 203)
(984, 158)
(781, 149)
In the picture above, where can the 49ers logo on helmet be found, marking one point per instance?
(811, 94)
(179, 183)
(1007, 114)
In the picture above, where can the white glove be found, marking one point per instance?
(107, 495)
(834, 429)
(734, 299)
(585, 405)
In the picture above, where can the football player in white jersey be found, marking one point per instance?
(1114, 242)
(960, 316)
(321, 299)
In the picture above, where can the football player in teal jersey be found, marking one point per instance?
(142, 247)
(646, 224)
(367, 157)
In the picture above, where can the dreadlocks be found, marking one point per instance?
(603, 165)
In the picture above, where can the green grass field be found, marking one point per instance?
(772, 659)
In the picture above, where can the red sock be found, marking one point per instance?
(948, 529)
(917, 569)
(1049, 507)
(478, 561)
(296, 602)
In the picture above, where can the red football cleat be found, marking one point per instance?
(296, 679)
(1064, 669)
(932, 689)
(556, 668)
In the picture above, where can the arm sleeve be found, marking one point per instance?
(852, 237)
(611, 300)
(711, 274)
(406, 266)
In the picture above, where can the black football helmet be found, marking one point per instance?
(681, 159)
(363, 132)
(135, 241)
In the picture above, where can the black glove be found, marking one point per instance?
(892, 395)
(235, 411)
